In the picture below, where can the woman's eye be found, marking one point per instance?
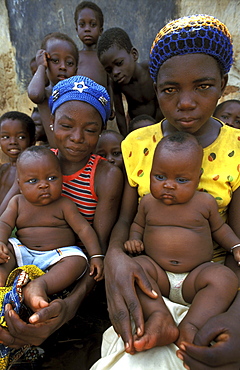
(170, 90)
(204, 86)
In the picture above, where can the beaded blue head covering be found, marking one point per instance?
(83, 89)
(188, 35)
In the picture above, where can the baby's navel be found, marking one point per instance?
(173, 262)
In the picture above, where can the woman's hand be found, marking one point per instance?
(224, 329)
(20, 333)
(121, 275)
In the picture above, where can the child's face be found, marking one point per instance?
(40, 180)
(61, 62)
(230, 114)
(14, 138)
(88, 27)
(175, 175)
(188, 88)
(109, 147)
(39, 129)
(77, 126)
(119, 64)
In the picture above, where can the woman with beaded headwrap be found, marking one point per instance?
(189, 61)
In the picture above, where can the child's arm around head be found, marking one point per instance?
(36, 88)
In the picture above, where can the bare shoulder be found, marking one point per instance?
(108, 177)
(205, 198)
(4, 167)
(104, 168)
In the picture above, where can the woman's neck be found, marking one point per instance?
(69, 168)
(206, 135)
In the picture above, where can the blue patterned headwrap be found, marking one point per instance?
(188, 35)
(83, 89)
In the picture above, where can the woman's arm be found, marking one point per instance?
(122, 273)
(108, 187)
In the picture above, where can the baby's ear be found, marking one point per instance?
(135, 54)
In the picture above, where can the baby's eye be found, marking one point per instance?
(224, 116)
(81, 24)
(160, 177)
(52, 178)
(32, 181)
(5, 137)
(93, 24)
(181, 180)
(21, 137)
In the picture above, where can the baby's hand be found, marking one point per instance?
(4, 255)
(41, 58)
(236, 254)
(96, 265)
(134, 246)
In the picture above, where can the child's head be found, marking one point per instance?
(142, 120)
(229, 112)
(89, 22)
(109, 147)
(189, 62)
(80, 109)
(39, 175)
(62, 56)
(17, 132)
(117, 55)
(40, 134)
(176, 168)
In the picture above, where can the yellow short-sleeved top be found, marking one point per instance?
(221, 162)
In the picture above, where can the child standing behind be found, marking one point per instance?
(119, 58)
(17, 132)
(109, 147)
(58, 58)
(89, 26)
(229, 112)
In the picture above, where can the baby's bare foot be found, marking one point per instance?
(35, 295)
(160, 330)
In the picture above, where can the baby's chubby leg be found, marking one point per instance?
(210, 287)
(59, 277)
(160, 328)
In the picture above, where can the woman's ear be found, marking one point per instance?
(223, 83)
